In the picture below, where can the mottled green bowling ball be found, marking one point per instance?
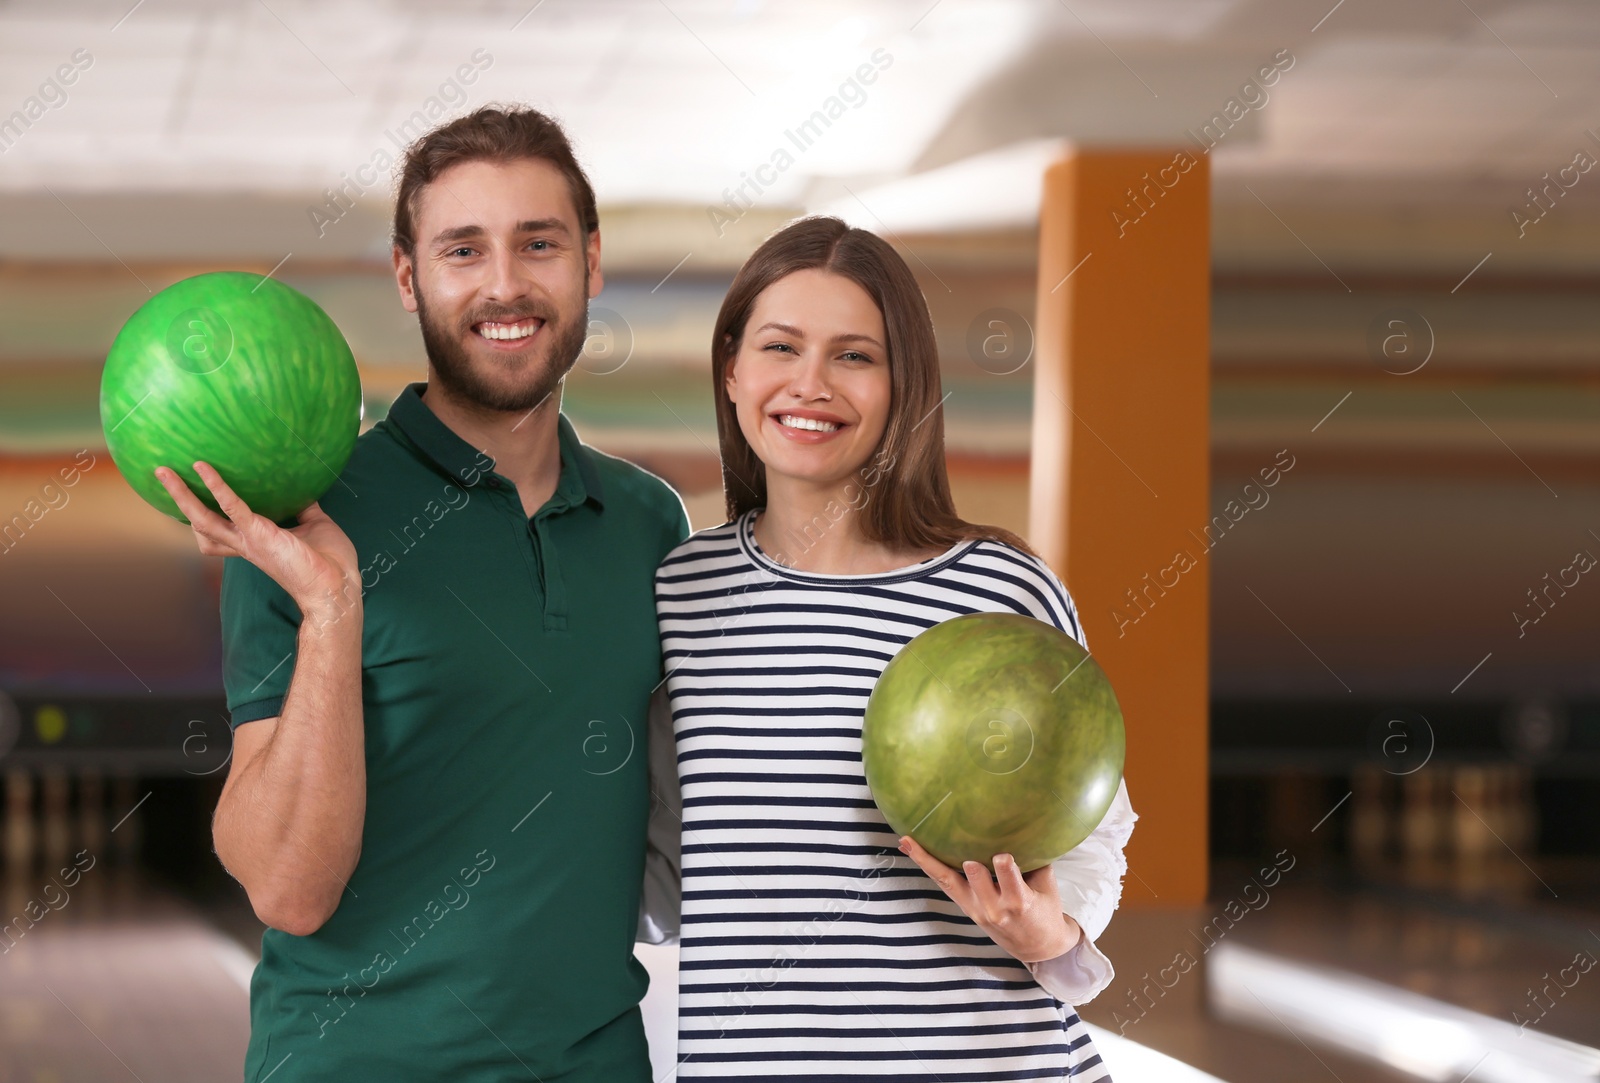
(239, 371)
(993, 733)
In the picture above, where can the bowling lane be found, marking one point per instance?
(1479, 956)
(118, 978)
(1379, 948)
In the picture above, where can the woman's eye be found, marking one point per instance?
(853, 355)
(779, 346)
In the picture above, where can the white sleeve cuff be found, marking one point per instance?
(1077, 976)
(1089, 877)
(1089, 880)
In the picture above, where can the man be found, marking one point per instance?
(438, 679)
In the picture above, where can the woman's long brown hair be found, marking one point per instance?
(908, 506)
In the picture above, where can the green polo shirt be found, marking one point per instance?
(487, 932)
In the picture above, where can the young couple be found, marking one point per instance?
(497, 715)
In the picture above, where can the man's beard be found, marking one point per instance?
(454, 368)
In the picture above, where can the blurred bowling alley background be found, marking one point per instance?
(1274, 324)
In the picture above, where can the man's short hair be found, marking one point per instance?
(492, 133)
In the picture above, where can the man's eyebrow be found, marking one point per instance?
(458, 233)
(797, 333)
(474, 231)
(544, 225)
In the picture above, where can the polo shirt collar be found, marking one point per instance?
(579, 480)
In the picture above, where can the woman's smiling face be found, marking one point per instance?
(810, 380)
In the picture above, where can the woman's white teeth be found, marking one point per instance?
(507, 330)
(807, 423)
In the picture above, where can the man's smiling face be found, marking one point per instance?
(501, 280)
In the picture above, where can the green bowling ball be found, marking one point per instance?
(238, 371)
(993, 733)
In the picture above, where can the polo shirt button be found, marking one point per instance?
(492, 482)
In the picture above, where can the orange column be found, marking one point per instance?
(1121, 471)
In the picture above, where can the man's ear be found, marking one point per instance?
(597, 278)
(405, 278)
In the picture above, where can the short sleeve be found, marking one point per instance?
(677, 519)
(260, 633)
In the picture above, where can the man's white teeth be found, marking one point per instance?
(807, 423)
(507, 330)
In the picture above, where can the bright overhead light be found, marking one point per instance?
(998, 189)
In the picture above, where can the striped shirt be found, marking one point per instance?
(811, 948)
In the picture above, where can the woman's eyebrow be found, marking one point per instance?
(858, 338)
(797, 333)
(784, 327)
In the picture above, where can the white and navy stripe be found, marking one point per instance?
(812, 949)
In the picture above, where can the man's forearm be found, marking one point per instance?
(288, 825)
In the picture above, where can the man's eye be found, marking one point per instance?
(460, 251)
(544, 245)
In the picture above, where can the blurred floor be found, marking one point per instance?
(127, 978)
(1487, 957)
(123, 980)
(1483, 958)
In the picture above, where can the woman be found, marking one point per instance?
(812, 943)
